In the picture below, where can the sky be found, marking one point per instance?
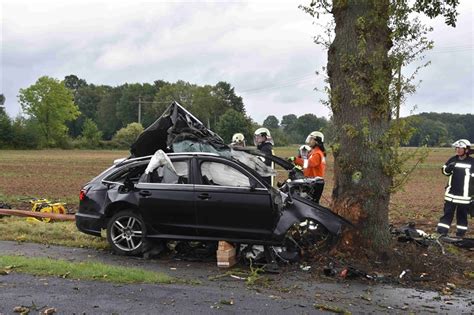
(264, 49)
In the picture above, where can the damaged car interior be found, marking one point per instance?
(183, 183)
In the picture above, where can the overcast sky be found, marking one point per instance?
(262, 48)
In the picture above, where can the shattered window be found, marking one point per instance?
(165, 174)
(214, 173)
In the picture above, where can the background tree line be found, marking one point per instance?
(75, 114)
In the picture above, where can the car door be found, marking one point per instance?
(166, 199)
(227, 206)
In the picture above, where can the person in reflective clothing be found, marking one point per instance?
(313, 162)
(457, 196)
(264, 142)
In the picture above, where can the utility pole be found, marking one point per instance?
(2, 101)
(139, 109)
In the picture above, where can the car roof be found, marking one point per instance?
(121, 162)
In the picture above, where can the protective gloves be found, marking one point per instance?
(450, 167)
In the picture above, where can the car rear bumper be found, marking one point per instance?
(89, 223)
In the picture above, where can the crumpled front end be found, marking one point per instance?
(301, 209)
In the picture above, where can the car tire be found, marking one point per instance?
(126, 233)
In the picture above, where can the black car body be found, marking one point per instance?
(196, 196)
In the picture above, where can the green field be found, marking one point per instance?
(60, 174)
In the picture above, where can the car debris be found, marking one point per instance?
(403, 273)
(409, 233)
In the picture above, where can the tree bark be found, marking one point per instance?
(359, 75)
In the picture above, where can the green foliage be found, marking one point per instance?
(6, 130)
(288, 121)
(91, 135)
(271, 122)
(26, 134)
(279, 137)
(226, 94)
(208, 103)
(87, 270)
(51, 104)
(107, 114)
(308, 123)
(87, 98)
(232, 122)
(429, 132)
(126, 136)
(73, 83)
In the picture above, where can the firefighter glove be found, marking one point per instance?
(450, 167)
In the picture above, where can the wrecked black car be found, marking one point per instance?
(183, 183)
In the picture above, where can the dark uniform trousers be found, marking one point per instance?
(461, 218)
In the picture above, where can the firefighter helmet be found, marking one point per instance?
(314, 135)
(238, 137)
(462, 143)
(262, 132)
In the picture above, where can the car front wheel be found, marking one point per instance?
(126, 233)
(309, 238)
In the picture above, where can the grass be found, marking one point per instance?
(81, 271)
(57, 233)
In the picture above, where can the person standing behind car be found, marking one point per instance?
(314, 164)
(264, 142)
(460, 169)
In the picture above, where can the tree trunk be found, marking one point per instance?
(359, 75)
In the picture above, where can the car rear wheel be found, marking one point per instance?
(126, 233)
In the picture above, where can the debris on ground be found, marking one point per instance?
(415, 259)
(4, 205)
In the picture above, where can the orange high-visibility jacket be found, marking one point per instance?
(316, 163)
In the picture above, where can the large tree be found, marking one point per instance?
(360, 72)
(271, 122)
(232, 122)
(51, 104)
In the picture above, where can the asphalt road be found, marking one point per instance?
(288, 293)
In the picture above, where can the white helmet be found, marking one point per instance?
(462, 143)
(262, 132)
(238, 137)
(315, 134)
(304, 149)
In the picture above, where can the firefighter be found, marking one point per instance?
(238, 140)
(313, 163)
(264, 142)
(460, 169)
